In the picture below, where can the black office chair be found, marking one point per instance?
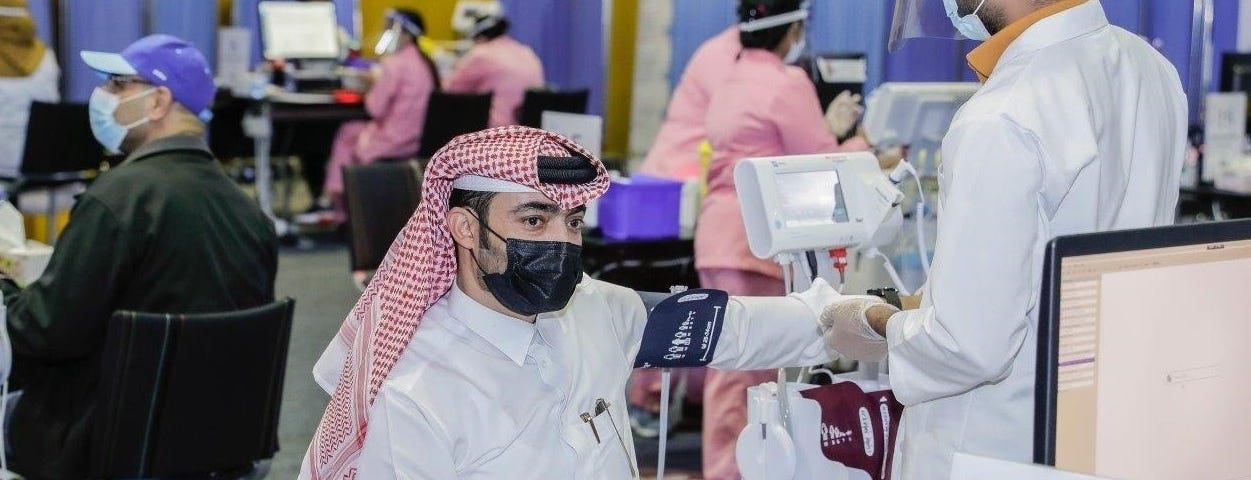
(538, 101)
(450, 115)
(60, 150)
(380, 198)
(191, 396)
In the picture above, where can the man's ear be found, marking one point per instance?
(163, 101)
(463, 227)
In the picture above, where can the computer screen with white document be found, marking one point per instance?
(299, 30)
(1145, 353)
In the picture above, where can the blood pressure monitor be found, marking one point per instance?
(815, 202)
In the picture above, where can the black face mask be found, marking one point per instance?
(540, 276)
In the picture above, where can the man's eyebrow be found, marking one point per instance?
(544, 207)
(578, 209)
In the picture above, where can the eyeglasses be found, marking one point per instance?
(119, 82)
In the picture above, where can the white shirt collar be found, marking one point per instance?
(512, 336)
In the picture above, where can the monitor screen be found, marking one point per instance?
(1146, 342)
(811, 198)
(299, 30)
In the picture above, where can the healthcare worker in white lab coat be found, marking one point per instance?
(1079, 127)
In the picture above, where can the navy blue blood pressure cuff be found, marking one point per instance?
(682, 330)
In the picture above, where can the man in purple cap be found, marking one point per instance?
(165, 231)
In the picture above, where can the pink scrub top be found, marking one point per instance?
(764, 108)
(504, 67)
(397, 103)
(675, 152)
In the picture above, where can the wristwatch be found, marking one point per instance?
(889, 294)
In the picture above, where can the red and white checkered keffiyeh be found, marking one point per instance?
(418, 270)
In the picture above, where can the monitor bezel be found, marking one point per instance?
(1045, 386)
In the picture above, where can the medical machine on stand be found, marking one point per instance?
(910, 119)
(808, 212)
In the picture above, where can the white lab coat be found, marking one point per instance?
(478, 395)
(16, 93)
(1080, 128)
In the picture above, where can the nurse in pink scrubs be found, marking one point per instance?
(397, 101)
(499, 65)
(764, 108)
(675, 152)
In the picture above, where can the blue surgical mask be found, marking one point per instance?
(796, 50)
(104, 126)
(970, 25)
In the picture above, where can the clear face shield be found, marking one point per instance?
(926, 19)
(389, 40)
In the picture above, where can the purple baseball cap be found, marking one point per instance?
(165, 61)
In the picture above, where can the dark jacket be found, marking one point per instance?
(164, 232)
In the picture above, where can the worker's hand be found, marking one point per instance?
(843, 113)
(888, 159)
(846, 330)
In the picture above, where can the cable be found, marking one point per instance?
(890, 270)
(919, 218)
(785, 260)
(784, 404)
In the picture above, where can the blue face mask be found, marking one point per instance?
(970, 25)
(104, 126)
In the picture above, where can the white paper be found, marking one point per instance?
(21, 259)
(12, 227)
(1224, 127)
(585, 130)
(234, 53)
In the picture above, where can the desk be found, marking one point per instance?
(646, 265)
(259, 121)
(1220, 204)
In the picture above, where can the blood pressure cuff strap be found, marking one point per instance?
(683, 330)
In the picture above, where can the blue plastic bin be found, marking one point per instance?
(641, 207)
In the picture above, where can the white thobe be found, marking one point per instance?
(479, 395)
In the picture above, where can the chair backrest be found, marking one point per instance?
(59, 139)
(190, 396)
(538, 101)
(450, 115)
(380, 198)
(227, 138)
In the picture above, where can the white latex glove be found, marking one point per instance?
(846, 329)
(843, 113)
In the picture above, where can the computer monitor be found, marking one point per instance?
(299, 30)
(1236, 76)
(834, 73)
(1144, 353)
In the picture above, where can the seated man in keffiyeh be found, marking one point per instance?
(519, 366)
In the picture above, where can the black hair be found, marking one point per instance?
(496, 31)
(416, 19)
(769, 38)
(477, 202)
